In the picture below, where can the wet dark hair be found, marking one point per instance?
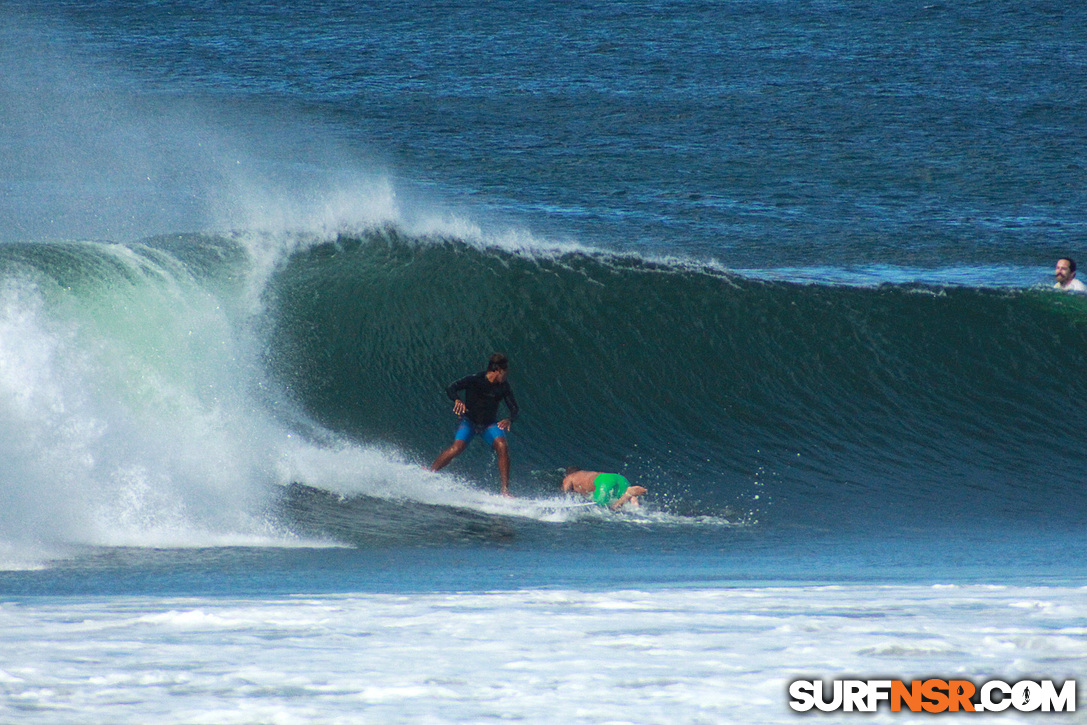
(1071, 264)
(498, 361)
(572, 469)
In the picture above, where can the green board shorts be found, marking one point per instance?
(608, 488)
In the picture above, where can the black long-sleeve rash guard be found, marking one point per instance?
(482, 397)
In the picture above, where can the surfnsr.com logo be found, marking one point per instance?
(932, 695)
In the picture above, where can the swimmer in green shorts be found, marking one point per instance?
(607, 489)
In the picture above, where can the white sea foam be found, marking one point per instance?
(542, 656)
(133, 414)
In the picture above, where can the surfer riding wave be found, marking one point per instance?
(479, 415)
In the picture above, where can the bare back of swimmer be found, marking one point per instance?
(606, 489)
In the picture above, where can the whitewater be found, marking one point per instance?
(788, 266)
(656, 656)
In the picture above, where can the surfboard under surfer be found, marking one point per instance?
(606, 489)
(478, 413)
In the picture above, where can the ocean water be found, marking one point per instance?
(786, 264)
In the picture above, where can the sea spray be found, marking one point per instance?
(129, 403)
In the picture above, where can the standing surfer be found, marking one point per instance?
(479, 415)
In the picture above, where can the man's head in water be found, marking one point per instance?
(1066, 270)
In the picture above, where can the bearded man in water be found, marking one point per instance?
(1066, 276)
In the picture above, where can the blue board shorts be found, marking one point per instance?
(467, 430)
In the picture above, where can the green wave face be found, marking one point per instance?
(826, 400)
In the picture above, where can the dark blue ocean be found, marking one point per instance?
(788, 265)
